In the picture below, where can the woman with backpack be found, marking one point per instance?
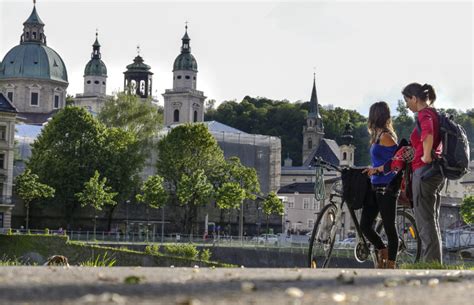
(383, 142)
(426, 182)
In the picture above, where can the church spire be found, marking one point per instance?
(96, 47)
(33, 28)
(185, 47)
(313, 103)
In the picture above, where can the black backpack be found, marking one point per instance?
(454, 160)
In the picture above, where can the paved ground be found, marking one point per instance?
(123, 285)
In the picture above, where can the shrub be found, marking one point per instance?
(206, 255)
(183, 250)
(46, 231)
(9, 231)
(152, 249)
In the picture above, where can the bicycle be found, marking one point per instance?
(323, 236)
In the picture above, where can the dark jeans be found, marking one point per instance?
(385, 203)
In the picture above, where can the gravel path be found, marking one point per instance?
(124, 285)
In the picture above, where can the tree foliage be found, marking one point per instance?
(66, 154)
(73, 145)
(467, 209)
(153, 192)
(129, 112)
(286, 120)
(96, 193)
(272, 205)
(28, 188)
(195, 172)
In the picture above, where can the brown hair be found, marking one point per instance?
(424, 93)
(380, 119)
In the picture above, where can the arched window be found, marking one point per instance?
(195, 116)
(176, 115)
(344, 156)
(310, 143)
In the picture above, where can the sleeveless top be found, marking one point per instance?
(380, 154)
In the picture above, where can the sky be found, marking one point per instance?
(360, 51)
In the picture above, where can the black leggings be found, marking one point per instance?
(386, 205)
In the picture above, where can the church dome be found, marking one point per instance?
(33, 60)
(138, 65)
(95, 67)
(185, 61)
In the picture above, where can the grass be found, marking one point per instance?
(103, 261)
(437, 266)
(5, 261)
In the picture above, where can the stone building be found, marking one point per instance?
(95, 82)
(32, 75)
(8, 115)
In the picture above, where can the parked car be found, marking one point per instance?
(270, 239)
(348, 242)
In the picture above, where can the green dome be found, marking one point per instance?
(33, 60)
(138, 65)
(185, 61)
(95, 67)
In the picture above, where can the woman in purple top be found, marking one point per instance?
(383, 142)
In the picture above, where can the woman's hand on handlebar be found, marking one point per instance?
(373, 170)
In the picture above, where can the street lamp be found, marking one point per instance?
(126, 222)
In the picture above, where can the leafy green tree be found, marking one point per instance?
(272, 205)
(96, 194)
(66, 154)
(467, 209)
(153, 192)
(403, 123)
(73, 145)
(28, 188)
(121, 162)
(189, 155)
(130, 113)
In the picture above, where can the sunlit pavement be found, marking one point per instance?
(125, 285)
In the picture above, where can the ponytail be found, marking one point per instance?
(428, 91)
(424, 93)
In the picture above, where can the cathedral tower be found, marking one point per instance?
(183, 103)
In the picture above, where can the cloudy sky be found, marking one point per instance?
(361, 51)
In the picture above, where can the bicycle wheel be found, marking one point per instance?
(323, 236)
(409, 243)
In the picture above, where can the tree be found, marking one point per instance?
(403, 123)
(66, 154)
(153, 192)
(29, 188)
(73, 145)
(129, 112)
(187, 160)
(467, 209)
(272, 205)
(121, 162)
(96, 194)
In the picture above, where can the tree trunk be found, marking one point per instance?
(110, 214)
